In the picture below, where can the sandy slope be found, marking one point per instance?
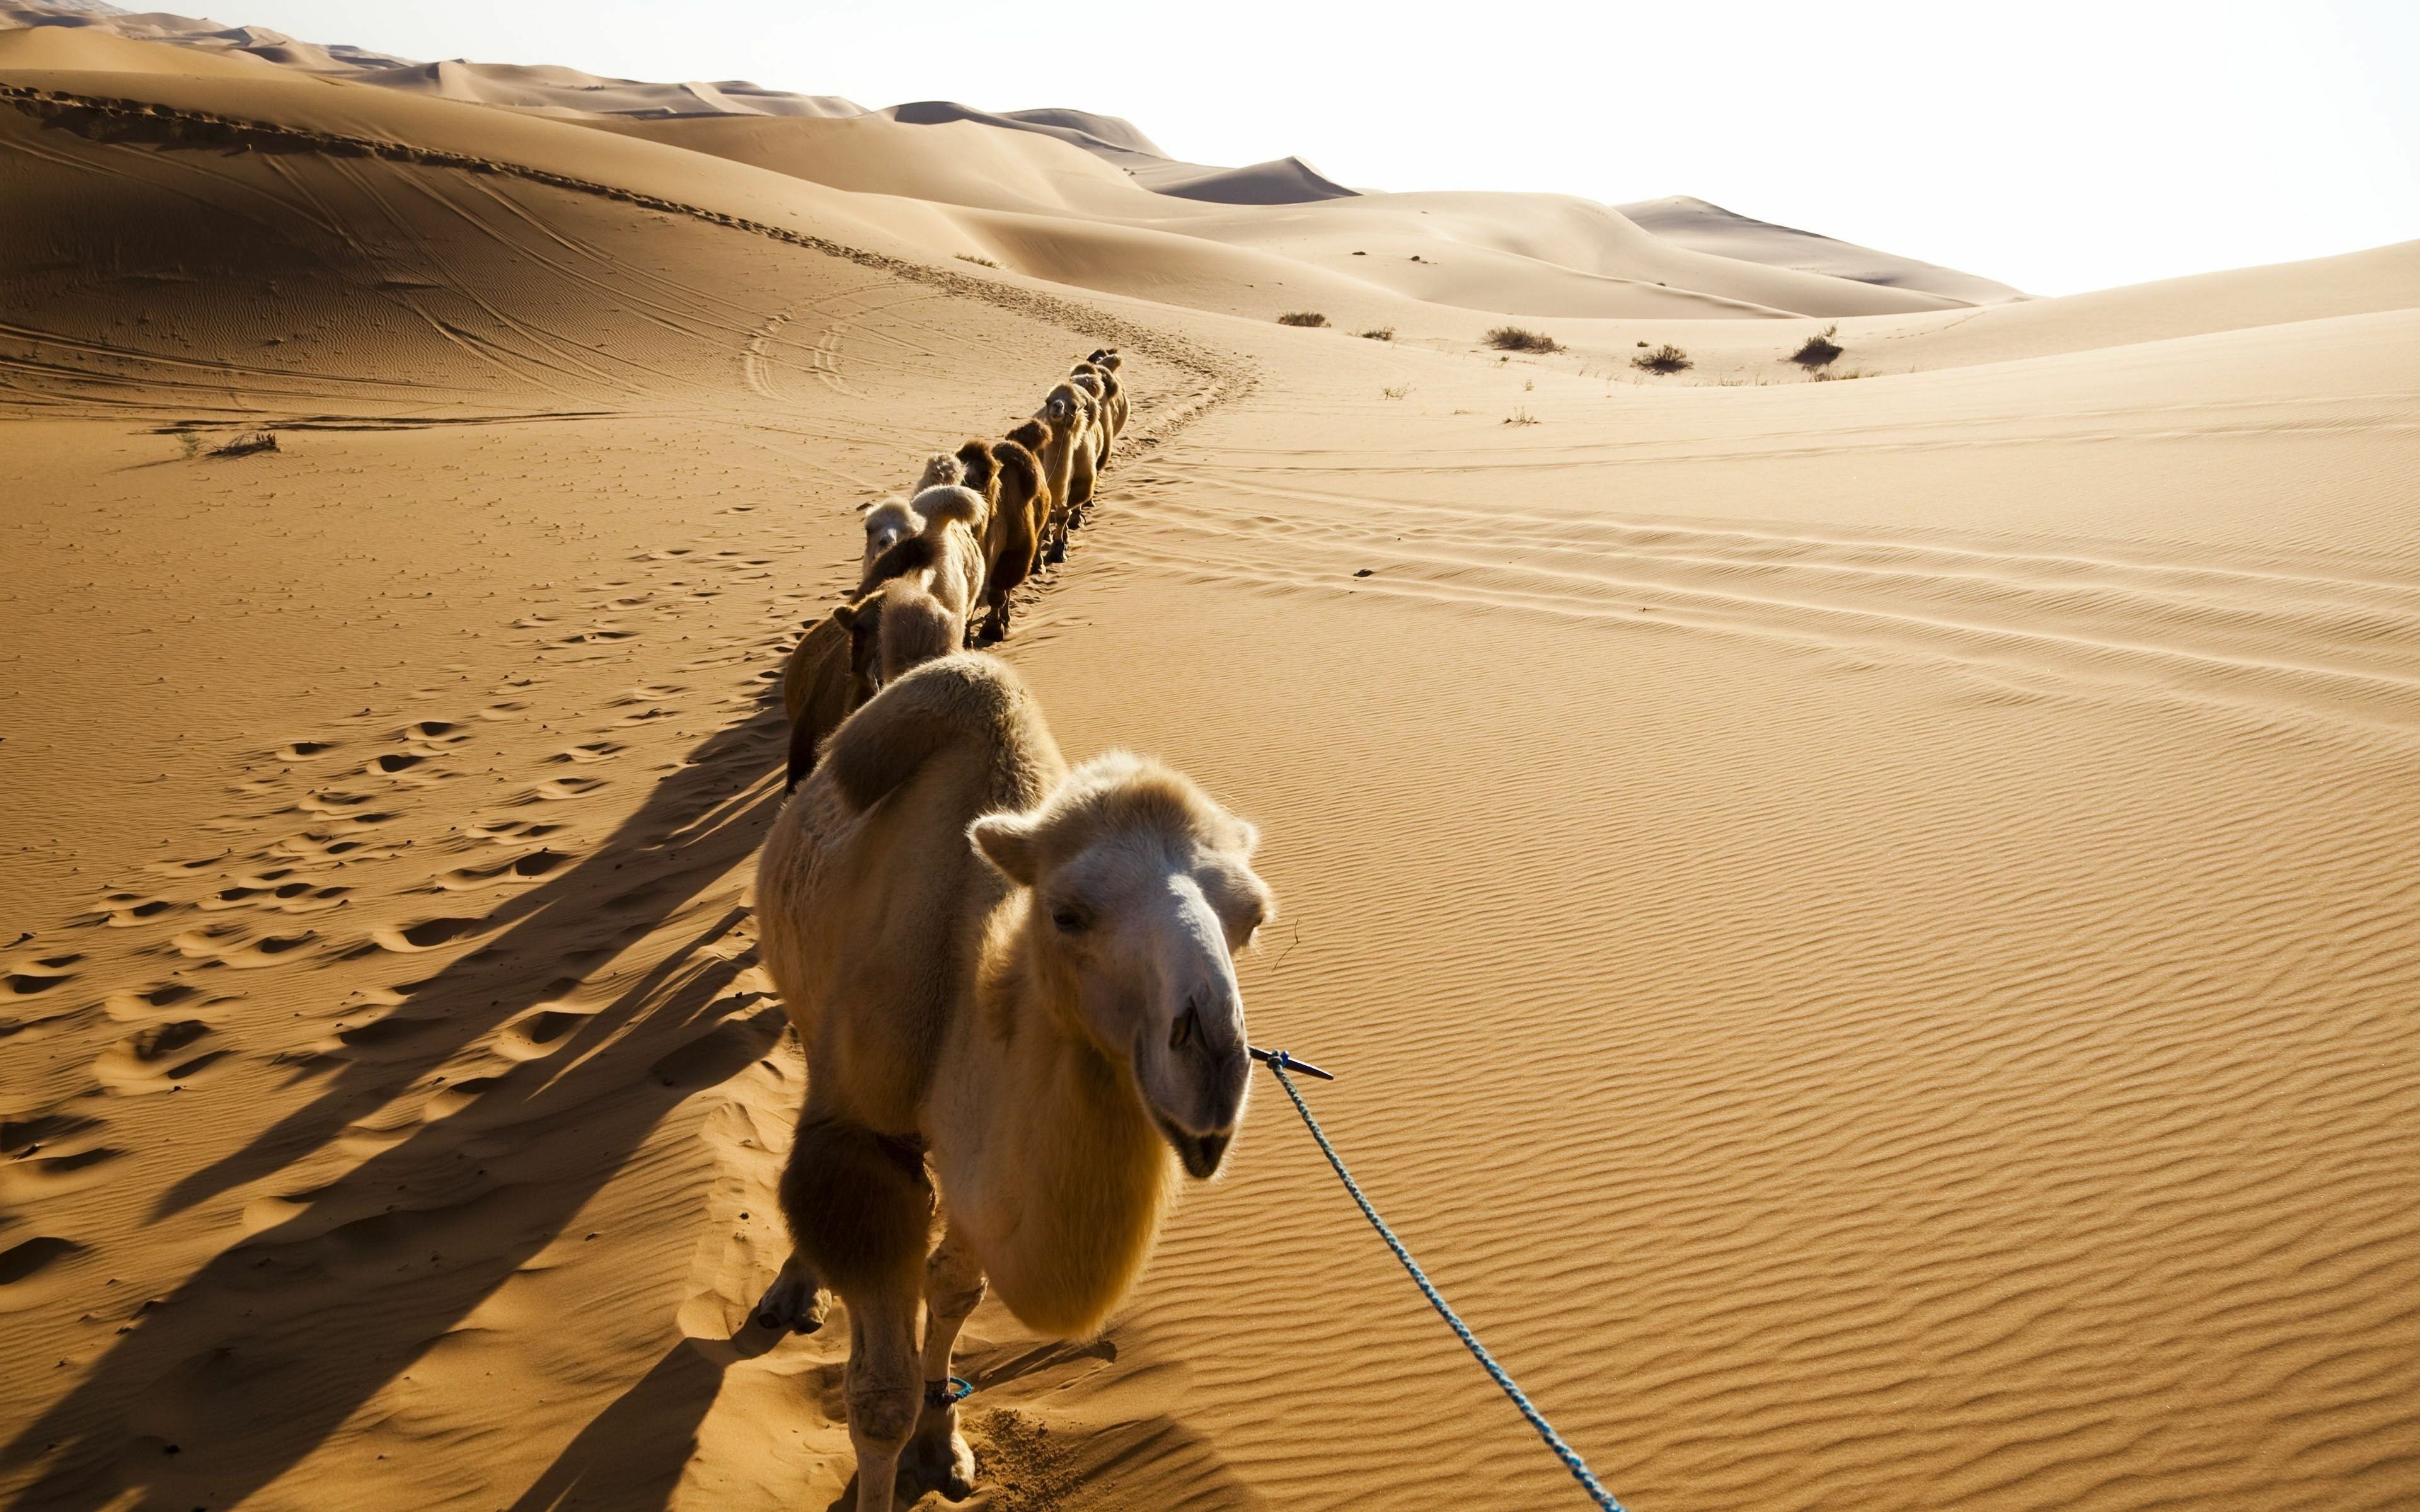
(1868, 926)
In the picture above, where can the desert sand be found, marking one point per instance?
(1869, 927)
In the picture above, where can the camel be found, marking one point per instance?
(1108, 361)
(1008, 475)
(1049, 447)
(819, 686)
(892, 520)
(1067, 460)
(1099, 383)
(1016, 987)
(896, 627)
(887, 522)
(844, 656)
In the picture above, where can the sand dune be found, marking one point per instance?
(1865, 925)
(1703, 227)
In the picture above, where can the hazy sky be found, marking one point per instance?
(2056, 147)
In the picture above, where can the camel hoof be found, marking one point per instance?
(793, 1304)
(936, 1463)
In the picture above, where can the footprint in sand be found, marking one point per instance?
(231, 944)
(541, 1031)
(159, 1057)
(127, 909)
(146, 1004)
(556, 789)
(428, 935)
(529, 867)
(36, 978)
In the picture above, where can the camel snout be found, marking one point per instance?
(1194, 1086)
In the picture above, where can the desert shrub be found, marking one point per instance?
(1819, 348)
(246, 442)
(1396, 393)
(1514, 339)
(1302, 317)
(1520, 417)
(1377, 333)
(978, 262)
(1665, 358)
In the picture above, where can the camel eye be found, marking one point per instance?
(1068, 921)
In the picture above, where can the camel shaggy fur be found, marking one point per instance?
(1108, 359)
(1102, 385)
(1048, 447)
(1068, 461)
(819, 687)
(887, 522)
(898, 627)
(1014, 984)
(1008, 475)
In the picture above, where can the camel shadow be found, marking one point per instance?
(213, 1392)
(695, 824)
(631, 1459)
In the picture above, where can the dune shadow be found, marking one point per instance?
(213, 1391)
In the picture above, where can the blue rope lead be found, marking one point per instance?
(1277, 1061)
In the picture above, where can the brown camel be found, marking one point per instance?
(1008, 475)
(1015, 988)
(1099, 383)
(1048, 446)
(819, 687)
(1108, 361)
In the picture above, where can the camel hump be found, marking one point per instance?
(951, 501)
(975, 456)
(1015, 460)
(1033, 435)
(912, 554)
(965, 701)
(941, 470)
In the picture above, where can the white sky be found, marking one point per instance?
(2058, 146)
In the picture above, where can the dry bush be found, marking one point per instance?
(1520, 417)
(1396, 393)
(1514, 339)
(1377, 333)
(1302, 317)
(978, 262)
(1819, 348)
(1665, 358)
(246, 442)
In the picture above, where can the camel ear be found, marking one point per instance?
(1248, 834)
(844, 615)
(1007, 841)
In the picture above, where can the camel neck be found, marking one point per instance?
(1055, 1170)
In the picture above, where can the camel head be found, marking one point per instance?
(1065, 406)
(1140, 890)
(887, 522)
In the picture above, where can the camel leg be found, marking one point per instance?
(883, 1394)
(1079, 486)
(796, 1300)
(938, 1457)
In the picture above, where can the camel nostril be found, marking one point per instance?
(1186, 1023)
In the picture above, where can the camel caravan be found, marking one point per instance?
(1013, 979)
(981, 521)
